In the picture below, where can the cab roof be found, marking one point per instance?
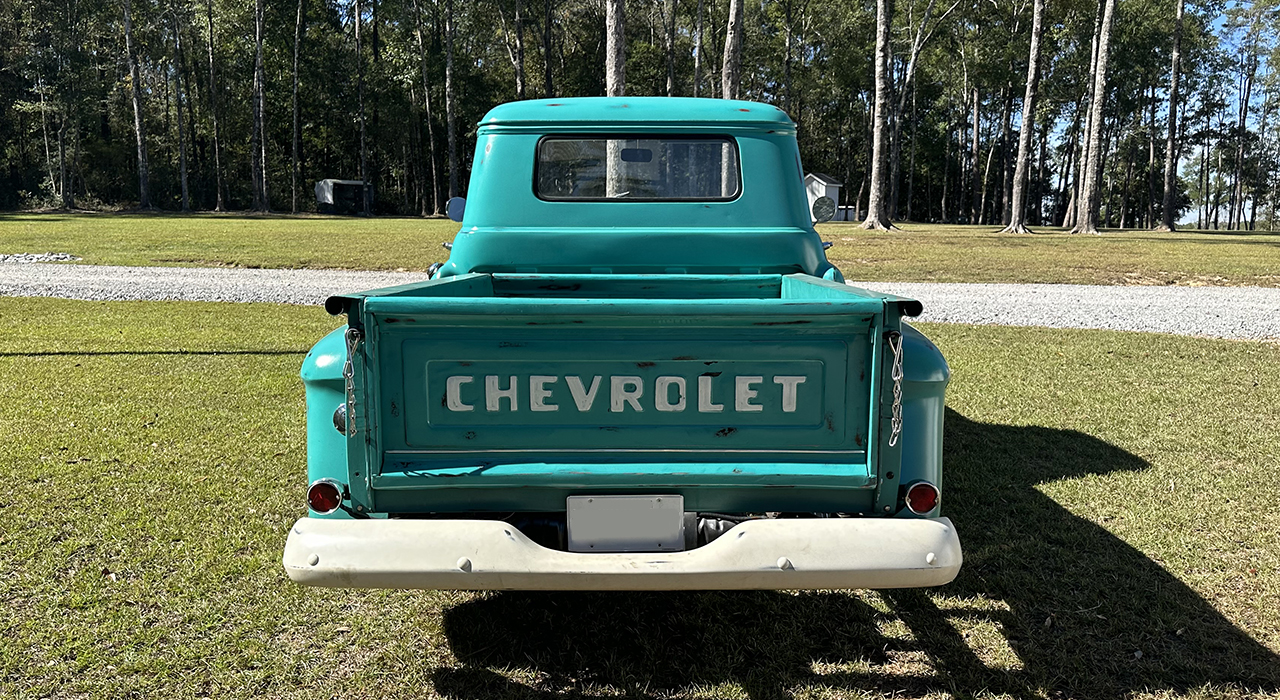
(636, 111)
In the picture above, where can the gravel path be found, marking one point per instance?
(111, 283)
(1218, 312)
(1215, 312)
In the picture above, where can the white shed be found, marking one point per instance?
(822, 185)
(341, 196)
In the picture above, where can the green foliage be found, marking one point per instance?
(66, 85)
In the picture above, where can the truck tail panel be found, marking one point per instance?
(513, 391)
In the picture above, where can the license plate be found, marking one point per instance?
(626, 523)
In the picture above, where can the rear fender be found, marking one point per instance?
(924, 386)
(326, 447)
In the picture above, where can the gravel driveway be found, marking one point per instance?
(1219, 312)
(1215, 312)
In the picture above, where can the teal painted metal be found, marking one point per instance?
(703, 348)
(507, 228)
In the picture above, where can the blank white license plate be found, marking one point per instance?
(626, 523)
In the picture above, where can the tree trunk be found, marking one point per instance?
(1087, 221)
(450, 112)
(139, 125)
(1167, 222)
(68, 198)
(1250, 69)
(911, 164)
(986, 176)
(1018, 207)
(974, 155)
(895, 153)
(1037, 192)
(1072, 220)
(877, 203)
(731, 72)
(365, 205)
(426, 109)
(697, 53)
(946, 170)
(786, 60)
(44, 129)
(514, 45)
(177, 101)
(1150, 220)
(259, 140)
(295, 154)
(546, 53)
(671, 47)
(615, 60)
(519, 22)
(213, 116)
(1006, 182)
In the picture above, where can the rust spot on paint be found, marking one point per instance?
(683, 357)
(726, 432)
(857, 440)
(831, 424)
(643, 365)
(470, 435)
(712, 374)
(740, 109)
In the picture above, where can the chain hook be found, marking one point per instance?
(895, 373)
(352, 336)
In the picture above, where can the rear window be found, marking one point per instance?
(626, 168)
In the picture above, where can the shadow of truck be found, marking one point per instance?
(1072, 602)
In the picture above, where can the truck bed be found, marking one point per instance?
(511, 392)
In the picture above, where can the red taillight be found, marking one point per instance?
(324, 497)
(922, 497)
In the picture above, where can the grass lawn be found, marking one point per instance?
(934, 253)
(916, 253)
(1115, 494)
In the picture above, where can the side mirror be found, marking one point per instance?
(823, 209)
(457, 205)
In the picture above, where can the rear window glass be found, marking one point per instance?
(703, 168)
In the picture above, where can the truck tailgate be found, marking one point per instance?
(511, 391)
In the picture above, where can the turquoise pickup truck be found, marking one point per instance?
(637, 370)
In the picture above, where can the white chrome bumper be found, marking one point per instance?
(491, 555)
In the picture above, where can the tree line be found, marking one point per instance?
(1014, 113)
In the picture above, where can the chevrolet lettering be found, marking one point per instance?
(637, 370)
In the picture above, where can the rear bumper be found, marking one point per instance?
(491, 555)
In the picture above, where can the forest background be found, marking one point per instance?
(226, 105)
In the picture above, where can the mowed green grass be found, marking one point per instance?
(948, 253)
(272, 241)
(1115, 494)
(914, 253)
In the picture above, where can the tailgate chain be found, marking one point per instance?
(353, 336)
(895, 422)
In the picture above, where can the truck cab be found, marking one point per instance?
(636, 370)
